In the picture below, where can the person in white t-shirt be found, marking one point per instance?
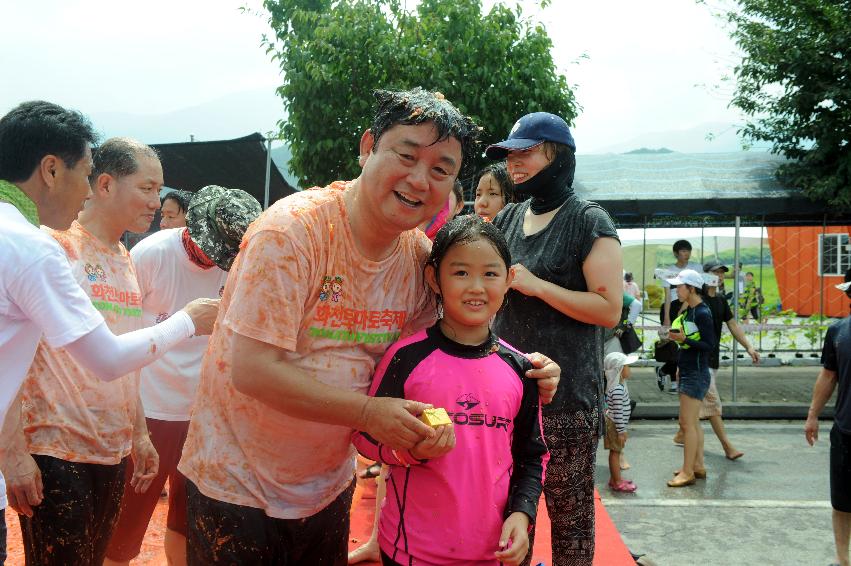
(174, 267)
(173, 210)
(45, 161)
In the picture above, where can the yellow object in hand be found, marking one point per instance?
(435, 417)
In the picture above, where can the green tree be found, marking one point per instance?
(794, 82)
(333, 53)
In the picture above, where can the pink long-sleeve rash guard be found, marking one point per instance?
(450, 510)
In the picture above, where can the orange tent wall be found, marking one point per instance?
(795, 252)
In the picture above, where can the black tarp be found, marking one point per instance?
(658, 188)
(236, 164)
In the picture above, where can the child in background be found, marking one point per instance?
(616, 368)
(494, 190)
(468, 495)
(454, 205)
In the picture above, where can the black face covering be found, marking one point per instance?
(553, 184)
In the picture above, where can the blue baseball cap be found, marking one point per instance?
(531, 130)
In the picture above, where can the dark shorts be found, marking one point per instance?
(224, 533)
(840, 470)
(168, 438)
(695, 383)
(74, 522)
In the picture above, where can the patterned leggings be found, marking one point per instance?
(569, 487)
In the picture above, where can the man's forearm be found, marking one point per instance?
(738, 334)
(12, 438)
(140, 428)
(286, 388)
(822, 391)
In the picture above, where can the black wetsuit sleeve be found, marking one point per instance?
(529, 452)
(389, 381)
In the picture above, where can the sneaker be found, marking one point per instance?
(673, 388)
(660, 378)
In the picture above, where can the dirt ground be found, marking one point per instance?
(152, 549)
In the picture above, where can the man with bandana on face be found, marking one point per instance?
(567, 286)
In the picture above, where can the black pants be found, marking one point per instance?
(224, 533)
(387, 561)
(74, 522)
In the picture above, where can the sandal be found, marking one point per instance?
(681, 483)
(699, 474)
(624, 486)
(369, 472)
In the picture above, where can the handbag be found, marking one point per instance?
(630, 342)
(665, 351)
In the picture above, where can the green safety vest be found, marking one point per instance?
(679, 323)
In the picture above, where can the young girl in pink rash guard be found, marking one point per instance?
(469, 494)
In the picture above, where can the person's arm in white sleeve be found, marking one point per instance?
(109, 356)
(634, 311)
(52, 298)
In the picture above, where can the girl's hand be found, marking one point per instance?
(442, 442)
(514, 540)
(524, 281)
(548, 374)
(622, 438)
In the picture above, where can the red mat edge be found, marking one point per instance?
(610, 549)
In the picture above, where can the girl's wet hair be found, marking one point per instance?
(464, 230)
(417, 106)
(499, 172)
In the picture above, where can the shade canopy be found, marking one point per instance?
(652, 187)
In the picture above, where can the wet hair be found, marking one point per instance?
(417, 106)
(35, 129)
(682, 245)
(181, 198)
(499, 172)
(118, 157)
(464, 230)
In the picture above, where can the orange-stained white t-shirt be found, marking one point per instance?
(300, 284)
(68, 412)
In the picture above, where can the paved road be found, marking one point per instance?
(771, 507)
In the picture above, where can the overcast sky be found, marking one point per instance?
(646, 67)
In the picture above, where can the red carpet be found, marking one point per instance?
(610, 549)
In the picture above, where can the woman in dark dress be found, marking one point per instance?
(567, 286)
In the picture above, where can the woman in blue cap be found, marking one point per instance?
(567, 286)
